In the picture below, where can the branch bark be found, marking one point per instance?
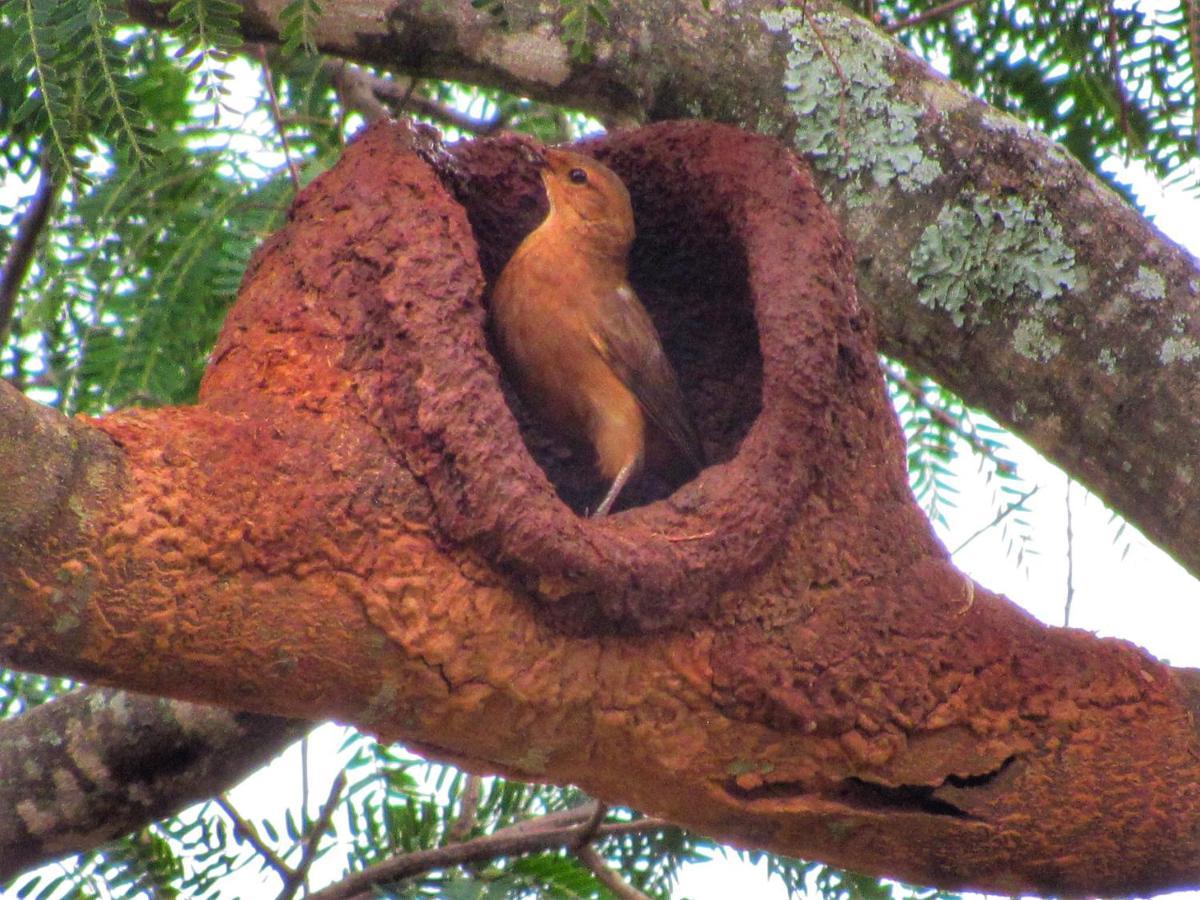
(294, 545)
(97, 764)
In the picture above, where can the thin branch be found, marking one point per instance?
(468, 811)
(20, 253)
(943, 418)
(367, 93)
(516, 840)
(277, 115)
(1000, 517)
(355, 90)
(587, 831)
(837, 67)
(936, 12)
(246, 830)
(1114, 65)
(589, 857)
(313, 839)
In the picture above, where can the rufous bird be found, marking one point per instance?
(573, 336)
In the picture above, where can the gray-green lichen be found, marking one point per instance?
(1107, 361)
(1178, 349)
(1031, 341)
(983, 250)
(839, 88)
(1149, 284)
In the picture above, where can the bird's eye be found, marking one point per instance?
(578, 176)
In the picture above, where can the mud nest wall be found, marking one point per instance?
(750, 285)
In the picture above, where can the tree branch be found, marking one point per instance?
(928, 15)
(317, 538)
(244, 829)
(949, 422)
(260, 51)
(20, 252)
(534, 836)
(1000, 517)
(467, 819)
(97, 764)
(365, 92)
(312, 840)
(610, 879)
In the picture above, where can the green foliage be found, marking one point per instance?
(1103, 79)
(297, 21)
(938, 427)
(64, 78)
(208, 30)
(578, 18)
(20, 691)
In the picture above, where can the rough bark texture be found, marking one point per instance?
(992, 259)
(324, 536)
(96, 764)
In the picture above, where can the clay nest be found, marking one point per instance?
(749, 282)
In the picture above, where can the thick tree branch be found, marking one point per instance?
(97, 764)
(995, 263)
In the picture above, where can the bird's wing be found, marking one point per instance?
(624, 335)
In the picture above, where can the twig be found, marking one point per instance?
(935, 12)
(837, 68)
(1114, 66)
(1000, 517)
(1070, 562)
(943, 418)
(587, 830)
(468, 809)
(311, 840)
(366, 93)
(277, 115)
(516, 840)
(250, 833)
(355, 90)
(20, 253)
(589, 857)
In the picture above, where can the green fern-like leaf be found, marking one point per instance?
(209, 33)
(577, 17)
(298, 21)
(35, 50)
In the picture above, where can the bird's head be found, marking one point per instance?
(589, 201)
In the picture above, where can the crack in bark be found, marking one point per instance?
(870, 796)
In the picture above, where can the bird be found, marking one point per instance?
(575, 339)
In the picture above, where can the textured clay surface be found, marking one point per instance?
(749, 282)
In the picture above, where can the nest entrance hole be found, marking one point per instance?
(688, 271)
